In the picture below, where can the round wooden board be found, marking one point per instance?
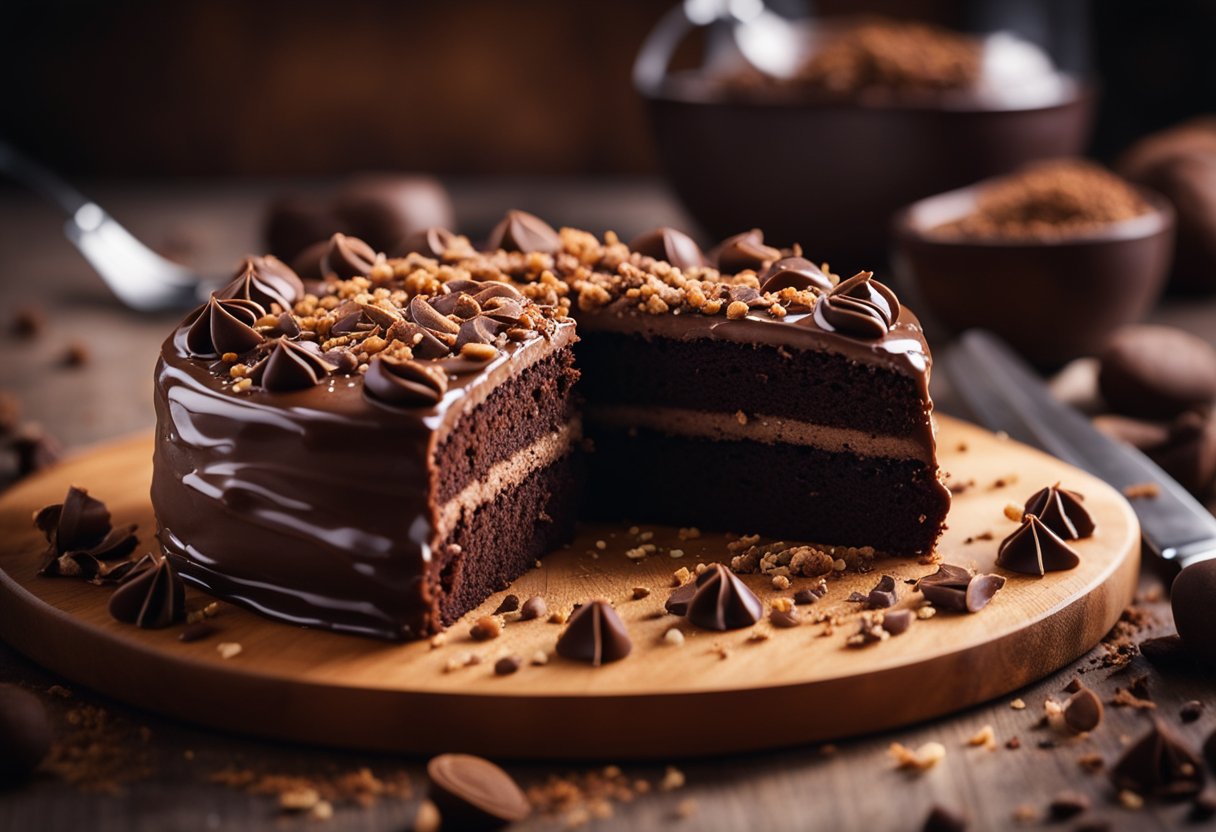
(717, 693)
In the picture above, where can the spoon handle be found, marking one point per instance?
(40, 179)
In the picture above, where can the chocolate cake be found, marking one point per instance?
(380, 453)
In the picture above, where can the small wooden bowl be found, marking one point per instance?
(1053, 300)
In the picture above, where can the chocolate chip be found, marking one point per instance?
(1168, 653)
(804, 596)
(509, 604)
(897, 622)
(882, 595)
(785, 619)
(640, 592)
(507, 665)
(1191, 711)
(1083, 711)
(1157, 372)
(1194, 613)
(25, 733)
(941, 819)
(1068, 804)
(1073, 686)
(197, 631)
(473, 793)
(534, 607)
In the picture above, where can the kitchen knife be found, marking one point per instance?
(1004, 393)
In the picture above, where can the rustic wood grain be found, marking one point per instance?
(853, 787)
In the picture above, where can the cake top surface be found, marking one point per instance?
(440, 312)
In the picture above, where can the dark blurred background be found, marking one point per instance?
(312, 87)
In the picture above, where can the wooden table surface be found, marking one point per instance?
(851, 786)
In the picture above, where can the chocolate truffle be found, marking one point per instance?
(1180, 163)
(380, 208)
(25, 733)
(1191, 597)
(1157, 372)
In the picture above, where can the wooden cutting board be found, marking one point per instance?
(716, 693)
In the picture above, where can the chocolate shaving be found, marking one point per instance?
(955, 589)
(1159, 764)
(291, 366)
(860, 307)
(80, 540)
(882, 595)
(743, 252)
(796, 273)
(348, 257)
(670, 245)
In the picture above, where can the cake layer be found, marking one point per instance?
(779, 490)
(712, 374)
(769, 430)
(534, 404)
(504, 538)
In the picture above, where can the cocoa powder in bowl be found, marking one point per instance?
(1049, 200)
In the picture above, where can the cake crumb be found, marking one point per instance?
(1018, 704)
(228, 649)
(926, 612)
(427, 818)
(740, 417)
(985, 737)
(601, 544)
(781, 582)
(922, 759)
(640, 592)
(540, 657)
(690, 533)
(1014, 512)
(680, 576)
(487, 627)
(1130, 800)
(558, 617)
(674, 637)
(686, 809)
(1142, 491)
(721, 651)
(676, 553)
(673, 779)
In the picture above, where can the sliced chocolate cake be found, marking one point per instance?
(775, 399)
(379, 453)
(376, 457)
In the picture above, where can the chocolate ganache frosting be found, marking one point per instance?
(295, 427)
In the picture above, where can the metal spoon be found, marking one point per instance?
(137, 275)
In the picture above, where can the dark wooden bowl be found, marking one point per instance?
(1053, 300)
(829, 175)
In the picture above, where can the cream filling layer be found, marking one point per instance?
(770, 430)
(508, 473)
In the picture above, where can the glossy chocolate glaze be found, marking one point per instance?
(310, 506)
(317, 505)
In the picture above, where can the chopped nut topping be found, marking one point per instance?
(922, 759)
(228, 649)
(486, 628)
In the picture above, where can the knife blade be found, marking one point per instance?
(1004, 393)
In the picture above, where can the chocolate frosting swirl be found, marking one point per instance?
(265, 281)
(80, 540)
(348, 257)
(796, 273)
(595, 635)
(400, 383)
(676, 247)
(723, 602)
(860, 307)
(744, 251)
(1034, 549)
(224, 326)
(1061, 511)
(521, 231)
(152, 596)
(291, 366)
